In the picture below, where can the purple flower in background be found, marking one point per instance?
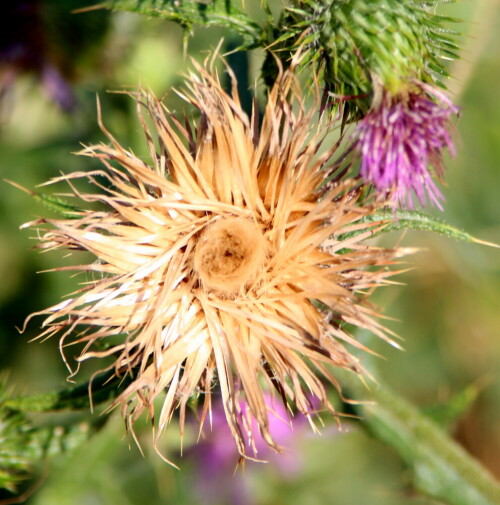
(400, 138)
(25, 47)
(216, 456)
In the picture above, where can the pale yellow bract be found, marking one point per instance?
(220, 260)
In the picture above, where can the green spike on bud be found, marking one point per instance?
(359, 42)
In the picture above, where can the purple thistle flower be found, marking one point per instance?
(215, 455)
(57, 88)
(400, 138)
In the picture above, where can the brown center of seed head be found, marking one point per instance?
(229, 255)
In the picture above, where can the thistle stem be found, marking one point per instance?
(441, 468)
(102, 388)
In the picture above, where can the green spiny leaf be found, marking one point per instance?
(191, 13)
(59, 206)
(415, 220)
(23, 445)
(103, 387)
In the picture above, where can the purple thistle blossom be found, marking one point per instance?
(400, 138)
(216, 457)
(57, 88)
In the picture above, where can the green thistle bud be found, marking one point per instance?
(356, 43)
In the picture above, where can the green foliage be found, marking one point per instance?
(23, 445)
(14, 437)
(57, 205)
(414, 220)
(441, 468)
(192, 13)
(102, 388)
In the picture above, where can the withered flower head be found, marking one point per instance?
(228, 265)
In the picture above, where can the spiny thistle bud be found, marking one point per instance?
(377, 60)
(223, 264)
(360, 43)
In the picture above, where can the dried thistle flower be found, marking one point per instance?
(228, 264)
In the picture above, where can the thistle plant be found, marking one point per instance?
(228, 273)
(381, 63)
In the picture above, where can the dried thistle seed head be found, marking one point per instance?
(229, 255)
(224, 261)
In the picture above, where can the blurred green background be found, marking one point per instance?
(447, 308)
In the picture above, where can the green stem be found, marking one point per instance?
(414, 220)
(103, 388)
(441, 468)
